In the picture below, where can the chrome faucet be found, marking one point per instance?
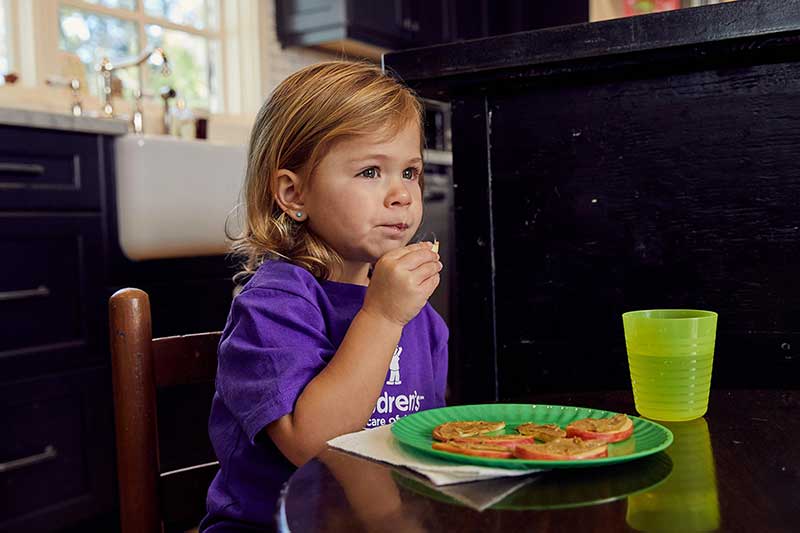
(106, 69)
(75, 85)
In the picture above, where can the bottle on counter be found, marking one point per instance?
(182, 122)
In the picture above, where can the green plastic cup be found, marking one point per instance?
(670, 355)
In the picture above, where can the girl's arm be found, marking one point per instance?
(341, 398)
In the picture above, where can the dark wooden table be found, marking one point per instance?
(736, 469)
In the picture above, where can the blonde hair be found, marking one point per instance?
(293, 130)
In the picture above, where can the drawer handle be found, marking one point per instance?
(30, 169)
(39, 291)
(48, 454)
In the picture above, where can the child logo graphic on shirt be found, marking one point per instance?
(390, 406)
(394, 367)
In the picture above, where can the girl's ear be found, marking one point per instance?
(288, 194)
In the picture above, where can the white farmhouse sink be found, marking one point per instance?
(174, 195)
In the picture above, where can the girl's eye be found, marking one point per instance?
(410, 173)
(371, 172)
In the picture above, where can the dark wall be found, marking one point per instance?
(472, 19)
(510, 16)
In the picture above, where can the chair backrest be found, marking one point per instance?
(143, 368)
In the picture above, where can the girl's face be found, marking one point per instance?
(364, 198)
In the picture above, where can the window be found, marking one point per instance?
(5, 45)
(189, 31)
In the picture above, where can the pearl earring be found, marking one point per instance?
(299, 214)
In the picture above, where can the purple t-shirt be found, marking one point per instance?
(283, 328)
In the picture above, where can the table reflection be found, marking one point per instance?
(371, 493)
(562, 488)
(687, 500)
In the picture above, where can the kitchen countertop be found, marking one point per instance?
(60, 121)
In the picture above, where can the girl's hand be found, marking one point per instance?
(402, 281)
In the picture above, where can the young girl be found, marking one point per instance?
(312, 347)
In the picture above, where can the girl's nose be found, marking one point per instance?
(398, 194)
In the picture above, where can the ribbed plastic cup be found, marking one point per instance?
(687, 501)
(670, 355)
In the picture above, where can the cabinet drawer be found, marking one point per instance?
(47, 169)
(49, 266)
(56, 460)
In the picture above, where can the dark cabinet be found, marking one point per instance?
(48, 282)
(61, 262)
(368, 27)
(475, 19)
(56, 462)
(48, 170)
(380, 23)
(398, 23)
(360, 25)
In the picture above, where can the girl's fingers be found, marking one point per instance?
(406, 250)
(413, 260)
(430, 284)
(426, 270)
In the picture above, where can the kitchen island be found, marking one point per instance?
(647, 162)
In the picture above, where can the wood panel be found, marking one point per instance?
(620, 193)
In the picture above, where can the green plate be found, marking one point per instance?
(415, 431)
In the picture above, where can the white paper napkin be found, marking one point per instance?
(478, 495)
(380, 444)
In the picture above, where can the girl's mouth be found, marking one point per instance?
(399, 228)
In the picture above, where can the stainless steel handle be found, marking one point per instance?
(41, 290)
(48, 454)
(30, 169)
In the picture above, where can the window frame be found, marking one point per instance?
(34, 36)
(142, 19)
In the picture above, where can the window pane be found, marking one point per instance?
(212, 14)
(119, 4)
(5, 63)
(198, 13)
(191, 68)
(93, 37)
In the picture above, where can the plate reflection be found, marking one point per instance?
(562, 489)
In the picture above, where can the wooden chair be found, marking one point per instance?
(156, 491)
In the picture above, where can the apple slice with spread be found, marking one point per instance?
(509, 441)
(614, 429)
(465, 428)
(478, 450)
(542, 432)
(562, 450)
